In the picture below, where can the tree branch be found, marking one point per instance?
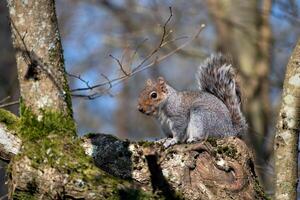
(205, 170)
(139, 68)
(9, 143)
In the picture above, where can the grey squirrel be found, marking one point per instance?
(188, 116)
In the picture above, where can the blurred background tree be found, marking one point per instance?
(259, 35)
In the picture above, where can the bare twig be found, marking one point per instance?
(195, 36)
(159, 46)
(5, 99)
(136, 50)
(109, 82)
(120, 64)
(79, 78)
(9, 104)
(141, 66)
(26, 53)
(116, 81)
(162, 42)
(165, 27)
(4, 197)
(174, 40)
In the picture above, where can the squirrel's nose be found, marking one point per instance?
(140, 108)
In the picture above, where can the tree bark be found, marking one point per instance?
(287, 134)
(9, 143)
(210, 170)
(40, 62)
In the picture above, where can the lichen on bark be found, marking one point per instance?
(208, 170)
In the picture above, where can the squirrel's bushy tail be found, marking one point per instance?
(216, 76)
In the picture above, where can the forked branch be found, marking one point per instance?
(100, 89)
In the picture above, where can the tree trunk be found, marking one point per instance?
(40, 62)
(287, 134)
(53, 164)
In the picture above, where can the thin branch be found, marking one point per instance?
(120, 64)
(5, 99)
(165, 27)
(79, 78)
(116, 81)
(26, 57)
(5, 196)
(159, 46)
(174, 40)
(141, 66)
(108, 80)
(136, 50)
(138, 66)
(9, 104)
(172, 52)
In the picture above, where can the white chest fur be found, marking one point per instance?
(166, 123)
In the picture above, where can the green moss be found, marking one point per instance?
(67, 95)
(146, 143)
(259, 191)
(50, 141)
(212, 141)
(18, 195)
(9, 119)
(229, 151)
(32, 128)
(55, 53)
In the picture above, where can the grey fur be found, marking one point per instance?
(216, 76)
(214, 110)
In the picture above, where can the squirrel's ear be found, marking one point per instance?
(162, 84)
(149, 82)
(161, 80)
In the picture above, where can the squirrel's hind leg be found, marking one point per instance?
(195, 129)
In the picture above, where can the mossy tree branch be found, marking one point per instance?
(10, 143)
(58, 167)
(136, 170)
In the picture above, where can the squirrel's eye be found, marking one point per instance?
(153, 95)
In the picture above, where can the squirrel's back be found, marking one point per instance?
(216, 76)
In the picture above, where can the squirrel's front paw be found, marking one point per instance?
(192, 140)
(162, 140)
(170, 142)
